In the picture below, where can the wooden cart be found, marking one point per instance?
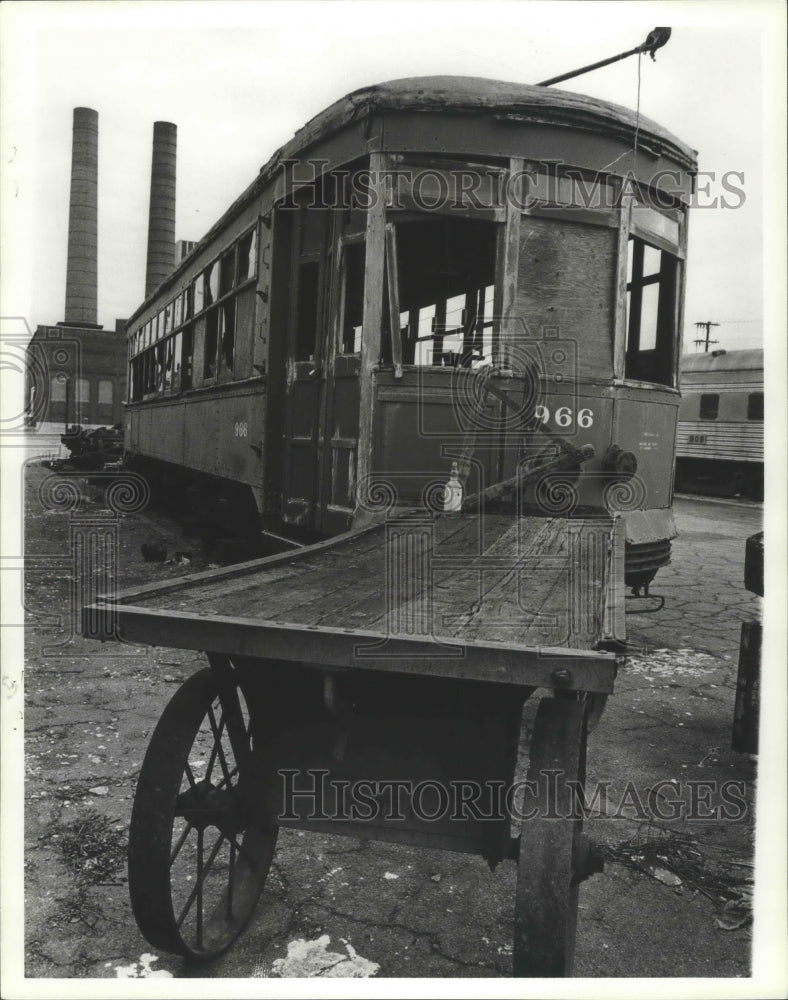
(373, 685)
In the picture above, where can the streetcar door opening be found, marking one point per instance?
(322, 364)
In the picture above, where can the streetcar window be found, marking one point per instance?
(446, 279)
(307, 318)
(211, 283)
(247, 256)
(709, 405)
(352, 297)
(177, 342)
(651, 313)
(187, 356)
(755, 406)
(211, 343)
(198, 293)
(178, 317)
(227, 272)
(167, 364)
(228, 333)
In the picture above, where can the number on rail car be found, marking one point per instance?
(241, 429)
(564, 416)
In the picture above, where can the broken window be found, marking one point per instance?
(227, 272)
(755, 406)
(651, 313)
(211, 343)
(211, 275)
(247, 256)
(709, 405)
(446, 284)
(228, 333)
(352, 308)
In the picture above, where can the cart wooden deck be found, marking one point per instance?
(500, 598)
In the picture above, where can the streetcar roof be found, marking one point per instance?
(461, 95)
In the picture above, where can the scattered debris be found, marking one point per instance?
(390, 876)
(99, 790)
(91, 849)
(142, 969)
(435, 878)
(312, 960)
(675, 859)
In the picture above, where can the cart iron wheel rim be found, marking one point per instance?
(553, 849)
(198, 858)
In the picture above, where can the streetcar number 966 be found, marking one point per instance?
(564, 416)
(241, 429)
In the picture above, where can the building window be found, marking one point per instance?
(709, 405)
(651, 310)
(105, 392)
(57, 392)
(755, 406)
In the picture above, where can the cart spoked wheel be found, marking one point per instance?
(198, 854)
(555, 855)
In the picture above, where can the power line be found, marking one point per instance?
(707, 325)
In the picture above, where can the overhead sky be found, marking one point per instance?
(239, 79)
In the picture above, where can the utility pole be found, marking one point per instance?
(705, 340)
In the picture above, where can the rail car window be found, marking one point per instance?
(755, 406)
(709, 405)
(651, 319)
(446, 281)
(352, 308)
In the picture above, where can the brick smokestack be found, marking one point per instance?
(82, 263)
(161, 220)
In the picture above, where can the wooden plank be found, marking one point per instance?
(332, 649)
(506, 306)
(622, 253)
(238, 569)
(371, 321)
(392, 276)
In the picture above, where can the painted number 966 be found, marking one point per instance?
(241, 429)
(564, 416)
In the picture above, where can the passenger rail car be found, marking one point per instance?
(719, 449)
(438, 288)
